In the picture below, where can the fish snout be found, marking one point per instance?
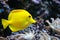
(33, 21)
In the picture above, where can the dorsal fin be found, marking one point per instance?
(14, 11)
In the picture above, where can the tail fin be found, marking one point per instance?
(5, 23)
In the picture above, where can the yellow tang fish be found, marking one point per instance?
(18, 19)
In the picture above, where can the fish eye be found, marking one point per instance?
(29, 16)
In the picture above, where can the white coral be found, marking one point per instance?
(27, 36)
(55, 23)
(44, 36)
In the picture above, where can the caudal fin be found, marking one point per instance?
(5, 23)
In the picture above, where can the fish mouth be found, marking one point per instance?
(33, 21)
